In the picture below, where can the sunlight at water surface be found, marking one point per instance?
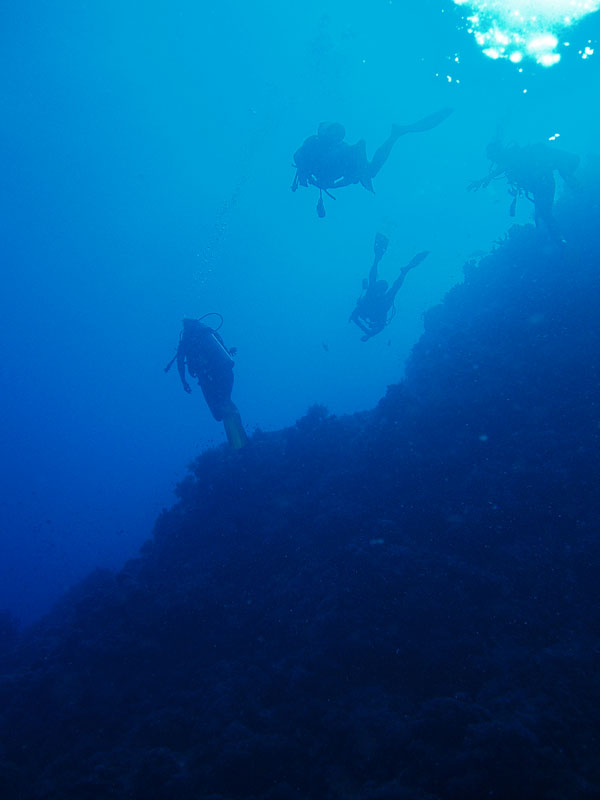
(519, 29)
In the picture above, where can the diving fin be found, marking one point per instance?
(425, 124)
(236, 435)
(416, 260)
(380, 245)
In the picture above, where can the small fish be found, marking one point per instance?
(325, 346)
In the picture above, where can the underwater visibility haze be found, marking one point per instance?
(370, 571)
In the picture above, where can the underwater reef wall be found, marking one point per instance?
(397, 604)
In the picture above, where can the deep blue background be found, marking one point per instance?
(146, 151)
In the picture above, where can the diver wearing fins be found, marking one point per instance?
(373, 307)
(207, 358)
(529, 171)
(326, 161)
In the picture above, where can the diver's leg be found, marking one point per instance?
(216, 387)
(543, 198)
(397, 284)
(566, 164)
(211, 396)
(358, 167)
(383, 153)
(373, 271)
(425, 124)
(234, 430)
(414, 262)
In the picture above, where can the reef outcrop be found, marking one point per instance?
(397, 604)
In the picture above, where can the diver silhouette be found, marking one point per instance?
(203, 352)
(373, 307)
(327, 162)
(529, 171)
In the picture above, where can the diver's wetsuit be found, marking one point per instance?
(372, 309)
(207, 359)
(530, 169)
(203, 351)
(328, 162)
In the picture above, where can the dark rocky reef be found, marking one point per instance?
(401, 604)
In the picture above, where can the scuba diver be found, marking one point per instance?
(373, 307)
(529, 171)
(326, 161)
(203, 351)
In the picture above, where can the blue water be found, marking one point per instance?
(147, 154)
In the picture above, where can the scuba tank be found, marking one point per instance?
(216, 350)
(205, 349)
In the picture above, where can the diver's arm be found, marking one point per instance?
(483, 183)
(303, 158)
(375, 327)
(303, 178)
(370, 332)
(354, 317)
(181, 369)
(357, 321)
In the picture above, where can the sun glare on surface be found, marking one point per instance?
(520, 29)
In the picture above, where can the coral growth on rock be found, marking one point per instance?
(396, 604)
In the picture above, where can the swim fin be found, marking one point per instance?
(236, 435)
(380, 245)
(416, 260)
(425, 124)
